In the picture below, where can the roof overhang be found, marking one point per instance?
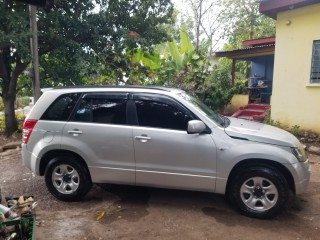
(259, 41)
(248, 52)
(272, 7)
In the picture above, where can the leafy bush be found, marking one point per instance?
(220, 90)
(22, 102)
(1, 105)
(20, 118)
(240, 87)
(2, 124)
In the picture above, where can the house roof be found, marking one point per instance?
(272, 7)
(260, 41)
(253, 48)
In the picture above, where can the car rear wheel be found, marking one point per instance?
(259, 192)
(67, 179)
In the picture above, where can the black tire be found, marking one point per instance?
(73, 179)
(259, 191)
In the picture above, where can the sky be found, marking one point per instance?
(185, 9)
(182, 6)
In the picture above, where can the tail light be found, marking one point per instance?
(27, 130)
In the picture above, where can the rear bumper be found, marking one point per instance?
(30, 160)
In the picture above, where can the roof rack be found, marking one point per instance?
(167, 89)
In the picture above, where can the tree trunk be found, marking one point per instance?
(9, 88)
(10, 117)
(34, 53)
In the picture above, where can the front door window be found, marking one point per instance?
(159, 114)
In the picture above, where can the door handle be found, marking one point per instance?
(143, 138)
(75, 132)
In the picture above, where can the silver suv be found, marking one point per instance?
(159, 137)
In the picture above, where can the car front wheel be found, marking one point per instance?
(259, 192)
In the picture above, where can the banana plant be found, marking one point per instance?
(178, 54)
(182, 53)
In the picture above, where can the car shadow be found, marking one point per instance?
(135, 201)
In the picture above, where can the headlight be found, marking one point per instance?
(299, 153)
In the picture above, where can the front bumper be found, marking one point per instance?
(303, 174)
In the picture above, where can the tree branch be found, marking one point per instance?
(205, 11)
(205, 31)
(20, 67)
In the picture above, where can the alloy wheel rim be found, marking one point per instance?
(65, 179)
(259, 194)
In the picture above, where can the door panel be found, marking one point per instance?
(107, 149)
(99, 132)
(174, 159)
(165, 154)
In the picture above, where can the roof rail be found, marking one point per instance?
(167, 89)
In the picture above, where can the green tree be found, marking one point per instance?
(135, 24)
(243, 21)
(14, 55)
(71, 37)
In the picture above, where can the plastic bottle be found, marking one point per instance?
(8, 213)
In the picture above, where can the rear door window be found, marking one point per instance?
(102, 108)
(61, 108)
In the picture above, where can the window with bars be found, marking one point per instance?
(315, 64)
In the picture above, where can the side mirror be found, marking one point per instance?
(196, 126)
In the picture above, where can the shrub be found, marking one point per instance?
(20, 118)
(1, 105)
(240, 87)
(21, 102)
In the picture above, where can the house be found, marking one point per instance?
(296, 77)
(260, 52)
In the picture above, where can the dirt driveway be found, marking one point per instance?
(147, 213)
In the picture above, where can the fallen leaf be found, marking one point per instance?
(101, 215)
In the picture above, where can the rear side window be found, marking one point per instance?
(61, 108)
(102, 110)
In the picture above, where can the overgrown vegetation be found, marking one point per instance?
(178, 64)
(19, 117)
(240, 87)
(270, 121)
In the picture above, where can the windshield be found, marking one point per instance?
(203, 108)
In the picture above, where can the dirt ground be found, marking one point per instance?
(148, 213)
